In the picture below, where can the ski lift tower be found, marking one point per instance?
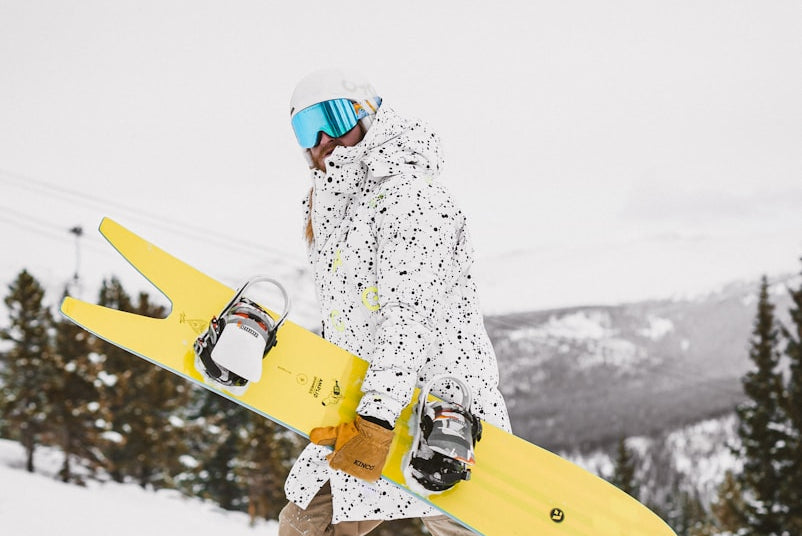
(78, 232)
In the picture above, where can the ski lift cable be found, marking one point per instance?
(172, 225)
(216, 239)
(48, 230)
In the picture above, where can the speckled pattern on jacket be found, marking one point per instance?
(391, 260)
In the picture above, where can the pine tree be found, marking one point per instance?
(170, 398)
(79, 415)
(146, 405)
(117, 392)
(29, 372)
(624, 467)
(791, 492)
(729, 507)
(692, 518)
(761, 427)
(266, 454)
(215, 444)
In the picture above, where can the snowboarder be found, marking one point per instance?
(391, 257)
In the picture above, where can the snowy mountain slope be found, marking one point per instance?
(37, 504)
(693, 458)
(587, 376)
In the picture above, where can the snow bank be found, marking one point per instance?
(37, 505)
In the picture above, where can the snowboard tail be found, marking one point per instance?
(516, 488)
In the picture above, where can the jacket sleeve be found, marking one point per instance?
(416, 231)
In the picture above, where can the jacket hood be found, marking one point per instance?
(394, 144)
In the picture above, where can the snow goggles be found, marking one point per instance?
(334, 117)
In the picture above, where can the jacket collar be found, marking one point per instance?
(393, 145)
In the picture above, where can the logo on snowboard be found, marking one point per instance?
(557, 515)
(333, 397)
(197, 325)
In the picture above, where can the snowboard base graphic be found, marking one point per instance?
(516, 488)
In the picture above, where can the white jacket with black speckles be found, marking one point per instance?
(392, 266)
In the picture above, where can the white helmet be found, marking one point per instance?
(328, 84)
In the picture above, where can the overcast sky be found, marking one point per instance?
(603, 151)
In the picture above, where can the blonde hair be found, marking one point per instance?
(309, 232)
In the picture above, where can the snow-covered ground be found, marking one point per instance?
(38, 505)
(700, 453)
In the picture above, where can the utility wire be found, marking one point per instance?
(44, 228)
(28, 226)
(172, 225)
(205, 236)
(217, 240)
(49, 230)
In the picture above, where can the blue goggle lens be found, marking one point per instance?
(334, 117)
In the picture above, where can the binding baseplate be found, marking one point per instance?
(229, 354)
(442, 450)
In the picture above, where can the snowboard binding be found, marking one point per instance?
(442, 452)
(229, 354)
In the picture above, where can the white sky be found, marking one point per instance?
(603, 151)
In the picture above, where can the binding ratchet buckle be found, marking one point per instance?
(446, 433)
(229, 354)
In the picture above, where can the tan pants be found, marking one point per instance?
(316, 521)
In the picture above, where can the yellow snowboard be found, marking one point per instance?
(516, 488)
